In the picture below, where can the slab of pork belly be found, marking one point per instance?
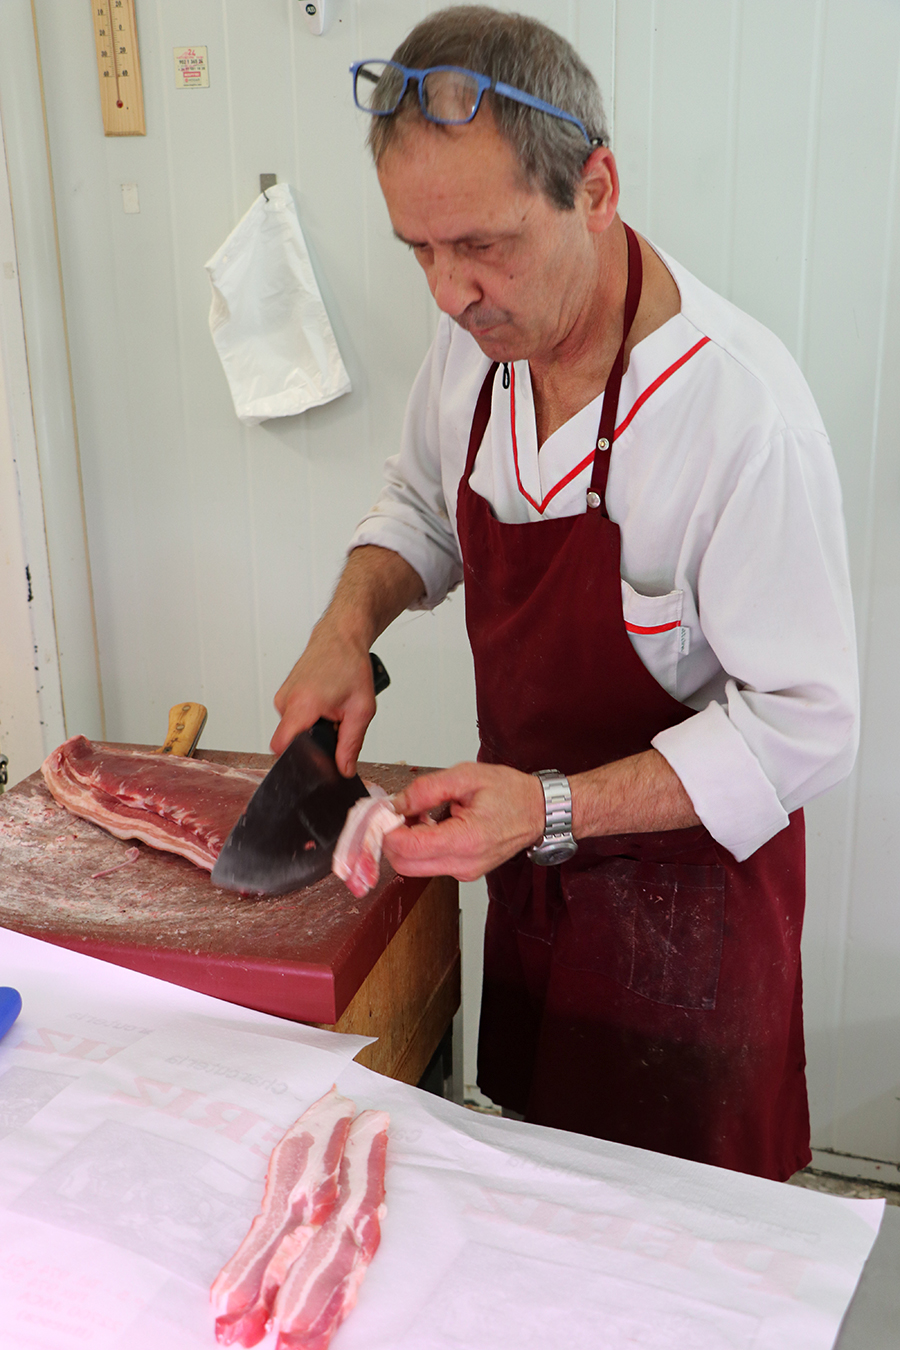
(322, 1285)
(357, 854)
(301, 1191)
(179, 805)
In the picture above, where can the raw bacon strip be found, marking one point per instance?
(357, 854)
(301, 1191)
(179, 805)
(322, 1285)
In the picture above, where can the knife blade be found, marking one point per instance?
(286, 837)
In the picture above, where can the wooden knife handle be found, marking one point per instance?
(186, 722)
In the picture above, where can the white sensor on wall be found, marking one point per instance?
(315, 15)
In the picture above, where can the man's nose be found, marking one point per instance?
(453, 285)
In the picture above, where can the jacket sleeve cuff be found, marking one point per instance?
(724, 780)
(440, 570)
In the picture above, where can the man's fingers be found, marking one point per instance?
(351, 733)
(292, 723)
(433, 789)
(495, 812)
(337, 687)
(433, 850)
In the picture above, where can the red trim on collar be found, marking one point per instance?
(589, 459)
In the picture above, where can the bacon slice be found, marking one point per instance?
(357, 854)
(301, 1191)
(323, 1283)
(185, 806)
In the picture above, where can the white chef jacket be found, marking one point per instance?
(735, 583)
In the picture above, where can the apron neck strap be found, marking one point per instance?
(480, 420)
(606, 432)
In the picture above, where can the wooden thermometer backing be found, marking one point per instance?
(119, 68)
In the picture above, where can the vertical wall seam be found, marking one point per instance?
(865, 588)
(311, 523)
(178, 306)
(65, 332)
(807, 234)
(614, 71)
(651, 88)
(812, 151)
(365, 211)
(734, 88)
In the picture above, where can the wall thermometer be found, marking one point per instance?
(118, 65)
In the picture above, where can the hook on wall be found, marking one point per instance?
(315, 12)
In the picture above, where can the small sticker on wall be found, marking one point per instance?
(191, 68)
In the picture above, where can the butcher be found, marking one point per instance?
(632, 482)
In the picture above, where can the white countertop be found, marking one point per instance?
(136, 1118)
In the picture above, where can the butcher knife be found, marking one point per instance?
(286, 837)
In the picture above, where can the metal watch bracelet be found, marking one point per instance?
(557, 843)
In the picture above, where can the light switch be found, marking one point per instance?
(130, 202)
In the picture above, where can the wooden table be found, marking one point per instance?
(387, 965)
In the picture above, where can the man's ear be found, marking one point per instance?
(600, 186)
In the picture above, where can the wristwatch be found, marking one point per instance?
(557, 844)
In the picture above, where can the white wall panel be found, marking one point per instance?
(775, 140)
(756, 141)
(51, 428)
(31, 714)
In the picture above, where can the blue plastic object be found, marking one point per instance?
(10, 1007)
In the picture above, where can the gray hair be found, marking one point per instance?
(522, 52)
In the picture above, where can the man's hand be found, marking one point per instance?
(494, 813)
(332, 679)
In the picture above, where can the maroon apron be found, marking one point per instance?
(648, 990)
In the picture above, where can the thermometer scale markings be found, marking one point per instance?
(118, 67)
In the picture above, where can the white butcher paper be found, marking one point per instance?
(502, 1235)
(158, 1157)
(78, 1011)
(497, 1234)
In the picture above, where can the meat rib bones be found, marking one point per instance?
(184, 806)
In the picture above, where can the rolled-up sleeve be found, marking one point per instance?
(774, 602)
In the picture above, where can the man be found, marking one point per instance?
(632, 480)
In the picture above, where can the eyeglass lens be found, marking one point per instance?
(379, 86)
(446, 95)
(449, 96)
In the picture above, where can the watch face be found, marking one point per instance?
(548, 855)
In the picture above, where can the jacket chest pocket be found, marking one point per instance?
(655, 625)
(656, 928)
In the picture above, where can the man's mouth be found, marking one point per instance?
(479, 322)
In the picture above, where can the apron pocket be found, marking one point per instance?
(655, 928)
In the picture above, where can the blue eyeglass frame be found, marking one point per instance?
(483, 82)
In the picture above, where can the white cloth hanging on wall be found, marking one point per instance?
(267, 318)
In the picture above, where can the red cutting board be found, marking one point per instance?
(301, 955)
